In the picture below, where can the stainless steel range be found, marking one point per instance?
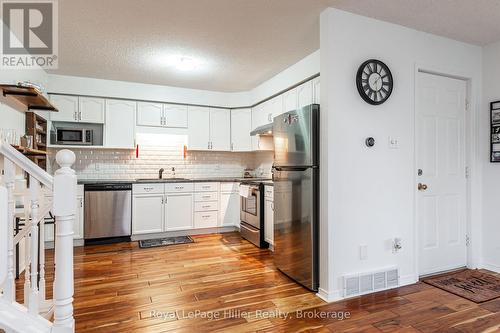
(251, 213)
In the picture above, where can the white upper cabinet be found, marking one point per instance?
(209, 128)
(149, 114)
(199, 128)
(290, 100)
(220, 129)
(241, 126)
(91, 110)
(275, 108)
(175, 115)
(120, 120)
(304, 94)
(316, 90)
(259, 116)
(68, 108)
(162, 115)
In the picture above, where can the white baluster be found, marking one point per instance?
(9, 176)
(27, 252)
(64, 210)
(33, 304)
(4, 197)
(41, 283)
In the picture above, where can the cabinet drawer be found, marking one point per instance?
(206, 187)
(179, 187)
(206, 206)
(148, 188)
(229, 187)
(269, 192)
(205, 219)
(206, 196)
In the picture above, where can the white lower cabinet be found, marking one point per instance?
(230, 205)
(147, 213)
(269, 215)
(77, 225)
(178, 208)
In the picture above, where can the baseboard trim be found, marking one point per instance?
(491, 267)
(192, 232)
(329, 297)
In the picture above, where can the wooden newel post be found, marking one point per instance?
(64, 211)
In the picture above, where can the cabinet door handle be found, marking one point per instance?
(232, 146)
(205, 206)
(75, 115)
(80, 115)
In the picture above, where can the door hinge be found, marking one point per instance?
(467, 240)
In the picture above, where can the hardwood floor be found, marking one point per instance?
(121, 288)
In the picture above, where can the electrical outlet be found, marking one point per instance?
(363, 252)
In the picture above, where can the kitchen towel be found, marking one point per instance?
(245, 191)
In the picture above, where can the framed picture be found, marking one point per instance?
(495, 132)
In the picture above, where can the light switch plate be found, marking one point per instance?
(393, 142)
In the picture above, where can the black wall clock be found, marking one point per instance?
(374, 81)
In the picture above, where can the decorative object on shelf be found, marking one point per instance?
(374, 82)
(36, 139)
(370, 142)
(495, 132)
(25, 98)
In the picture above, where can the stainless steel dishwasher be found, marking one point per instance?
(108, 212)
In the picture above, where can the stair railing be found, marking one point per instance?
(36, 206)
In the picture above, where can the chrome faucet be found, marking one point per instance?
(160, 173)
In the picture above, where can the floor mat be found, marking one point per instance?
(165, 241)
(471, 284)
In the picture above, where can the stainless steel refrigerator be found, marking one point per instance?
(296, 194)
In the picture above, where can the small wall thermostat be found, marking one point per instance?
(370, 142)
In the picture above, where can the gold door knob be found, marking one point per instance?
(422, 187)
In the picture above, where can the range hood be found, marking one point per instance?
(264, 130)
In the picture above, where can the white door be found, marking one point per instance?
(67, 106)
(220, 129)
(229, 209)
(241, 126)
(120, 124)
(290, 100)
(305, 94)
(175, 115)
(92, 110)
(178, 211)
(441, 183)
(147, 214)
(198, 128)
(149, 114)
(268, 221)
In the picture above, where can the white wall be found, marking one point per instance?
(369, 193)
(140, 91)
(491, 171)
(298, 72)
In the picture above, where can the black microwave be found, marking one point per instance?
(75, 136)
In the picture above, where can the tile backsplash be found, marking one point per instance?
(123, 164)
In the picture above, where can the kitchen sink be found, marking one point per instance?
(157, 180)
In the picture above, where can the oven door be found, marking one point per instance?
(250, 208)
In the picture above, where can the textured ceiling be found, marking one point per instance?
(241, 43)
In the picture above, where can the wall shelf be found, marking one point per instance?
(29, 97)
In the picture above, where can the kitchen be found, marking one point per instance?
(249, 166)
